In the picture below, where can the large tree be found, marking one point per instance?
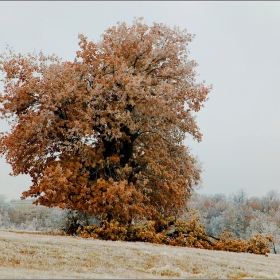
(104, 134)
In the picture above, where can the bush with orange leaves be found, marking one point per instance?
(259, 244)
(186, 233)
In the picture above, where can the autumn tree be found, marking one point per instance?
(104, 134)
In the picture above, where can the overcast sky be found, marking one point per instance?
(237, 46)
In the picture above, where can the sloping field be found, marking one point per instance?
(26, 205)
(33, 255)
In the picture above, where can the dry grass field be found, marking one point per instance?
(34, 255)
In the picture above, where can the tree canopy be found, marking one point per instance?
(105, 133)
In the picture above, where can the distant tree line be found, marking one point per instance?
(30, 217)
(240, 214)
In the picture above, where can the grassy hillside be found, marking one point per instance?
(25, 205)
(33, 255)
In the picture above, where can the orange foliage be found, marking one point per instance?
(255, 205)
(187, 233)
(104, 134)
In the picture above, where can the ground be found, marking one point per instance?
(33, 255)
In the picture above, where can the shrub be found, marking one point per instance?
(189, 233)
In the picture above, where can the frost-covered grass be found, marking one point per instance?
(34, 255)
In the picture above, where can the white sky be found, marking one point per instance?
(237, 46)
